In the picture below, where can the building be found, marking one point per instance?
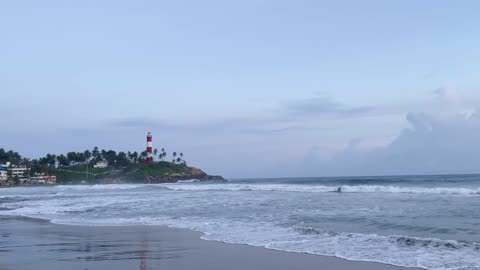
(101, 164)
(8, 172)
(3, 172)
(42, 178)
(149, 148)
(50, 179)
(20, 171)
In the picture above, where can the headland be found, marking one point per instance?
(99, 166)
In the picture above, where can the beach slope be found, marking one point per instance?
(37, 244)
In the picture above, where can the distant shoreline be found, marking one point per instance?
(146, 173)
(112, 182)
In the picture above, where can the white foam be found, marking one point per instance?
(322, 189)
(100, 187)
(74, 205)
(427, 253)
(189, 181)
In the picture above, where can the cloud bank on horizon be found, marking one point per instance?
(248, 89)
(441, 139)
(440, 143)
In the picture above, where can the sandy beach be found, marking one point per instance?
(38, 244)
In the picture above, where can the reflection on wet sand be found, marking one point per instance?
(105, 250)
(143, 256)
(30, 244)
(138, 246)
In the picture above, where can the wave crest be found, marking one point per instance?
(323, 189)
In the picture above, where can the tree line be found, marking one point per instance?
(91, 157)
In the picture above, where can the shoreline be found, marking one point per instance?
(56, 246)
(118, 181)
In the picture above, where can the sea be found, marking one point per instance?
(432, 222)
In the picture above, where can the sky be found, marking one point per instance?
(248, 88)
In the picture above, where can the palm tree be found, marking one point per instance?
(135, 156)
(155, 152)
(87, 154)
(95, 152)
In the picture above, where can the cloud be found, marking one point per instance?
(420, 121)
(308, 137)
(448, 96)
(217, 125)
(138, 122)
(263, 123)
(322, 106)
(439, 141)
(433, 144)
(453, 103)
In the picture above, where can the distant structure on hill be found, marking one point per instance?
(149, 158)
(101, 164)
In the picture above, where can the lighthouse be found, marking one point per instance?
(149, 148)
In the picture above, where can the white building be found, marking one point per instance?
(20, 171)
(101, 164)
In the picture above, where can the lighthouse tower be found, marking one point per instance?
(149, 148)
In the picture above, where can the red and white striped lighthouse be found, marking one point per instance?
(149, 148)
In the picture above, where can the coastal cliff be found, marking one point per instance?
(195, 173)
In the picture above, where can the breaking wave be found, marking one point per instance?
(427, 253)
(100, 187)
(320, 188)
(376, 226)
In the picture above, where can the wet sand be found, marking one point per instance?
(27, 244)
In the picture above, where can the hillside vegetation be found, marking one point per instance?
(158, 172)
(122, 167)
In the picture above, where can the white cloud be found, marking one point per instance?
(453, 104)
(448, 96)
(435, 143)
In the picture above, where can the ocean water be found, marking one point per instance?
(431, 222)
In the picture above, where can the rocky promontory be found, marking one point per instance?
(152, 173)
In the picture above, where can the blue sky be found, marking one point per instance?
(246, 88)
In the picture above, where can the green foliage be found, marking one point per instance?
(63, 160)
(9, 156)
(133, 172)
(77, 167)
(122, 159)
(138, 172)
(110, 156)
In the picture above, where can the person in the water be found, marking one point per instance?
(339, 190)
